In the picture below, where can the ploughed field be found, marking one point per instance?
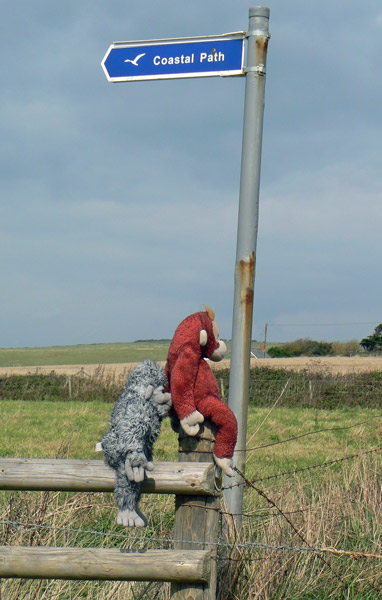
(334, 365)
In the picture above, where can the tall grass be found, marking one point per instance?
(77, 520)
(267, 561)
(291, 523)
(341, 511)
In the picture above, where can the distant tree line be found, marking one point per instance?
(308, 347)
(150, 341)
(373, 342)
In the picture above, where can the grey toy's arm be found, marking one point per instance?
(136, 461)
(161, 399)
(131, 441)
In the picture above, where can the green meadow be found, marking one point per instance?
(314, 464)
(85, 354)
(50, 429)
(91, 354)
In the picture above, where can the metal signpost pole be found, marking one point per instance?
(257, 35)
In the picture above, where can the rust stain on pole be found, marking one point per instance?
(262, 45)
(239, 376)
(246, 279)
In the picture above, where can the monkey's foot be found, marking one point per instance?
(225, 464)
(129, 518)
(190, 424)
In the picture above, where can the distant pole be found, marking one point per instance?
(258, 35)
(265, 338)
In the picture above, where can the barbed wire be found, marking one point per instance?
(233, 551)
(291, 439)
(326, 430)
(317, 466)
(239, 545)
(247, 551)
(309, 468)
(287, 519)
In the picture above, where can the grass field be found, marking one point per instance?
(92, 354)
(48, 429)
(334, 505)
(117, 359)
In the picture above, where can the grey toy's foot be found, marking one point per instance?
(129, 518)
(225, 464)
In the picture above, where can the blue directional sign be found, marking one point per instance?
(175, 58)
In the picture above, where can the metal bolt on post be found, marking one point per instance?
(258, 36)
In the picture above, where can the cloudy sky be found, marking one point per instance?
(119, 201)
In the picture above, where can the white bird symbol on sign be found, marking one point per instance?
(136, 59)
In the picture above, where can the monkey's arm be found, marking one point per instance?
(183, 377)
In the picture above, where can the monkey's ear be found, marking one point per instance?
(210, 313)
(203, 337)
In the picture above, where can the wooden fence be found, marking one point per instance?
(190, 566)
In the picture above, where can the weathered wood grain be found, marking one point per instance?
(93, 475)
(197, 517)
(104, 564)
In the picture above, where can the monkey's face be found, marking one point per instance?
(211, 345)
(220, 352)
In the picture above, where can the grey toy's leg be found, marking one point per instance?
(126, 495)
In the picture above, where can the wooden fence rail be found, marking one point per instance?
(32, 474)
(104, 564)
(190, 567)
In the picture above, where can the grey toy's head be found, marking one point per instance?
(147, 373)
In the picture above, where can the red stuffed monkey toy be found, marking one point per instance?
(194, 389)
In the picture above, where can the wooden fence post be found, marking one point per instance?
(197, 517)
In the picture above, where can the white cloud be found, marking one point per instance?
(119, 202)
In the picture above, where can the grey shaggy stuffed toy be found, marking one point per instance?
(135, 424)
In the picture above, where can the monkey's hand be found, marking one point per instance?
(190, 424)
(225, 464)
(135, 465)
